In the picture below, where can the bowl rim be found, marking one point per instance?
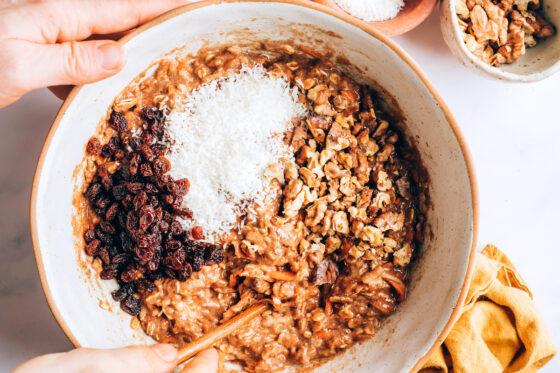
(418, 15)
(316, 7)
(482, 66)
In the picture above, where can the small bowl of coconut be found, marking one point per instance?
(389, 17)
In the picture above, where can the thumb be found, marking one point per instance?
(70, 63)
(205, 362)
(159, 358)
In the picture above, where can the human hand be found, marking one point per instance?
(161, 358)
(42, 41)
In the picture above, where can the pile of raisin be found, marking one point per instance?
(139, 237)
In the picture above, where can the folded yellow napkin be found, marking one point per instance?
(500, 330)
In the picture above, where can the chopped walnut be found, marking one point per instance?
(339, 138)
(389, 221)
(402, 257)
(498, 32)
(340, 222)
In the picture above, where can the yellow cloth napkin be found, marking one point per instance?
(500, 329)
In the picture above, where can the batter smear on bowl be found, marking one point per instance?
(272, 175)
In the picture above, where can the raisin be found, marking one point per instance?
(112, 212)
(107, 227)
(134, 142)
(151, 189)
(89, 235)
(145, 287)
(119, 192)
(168, 198)
(93, 191)
(175, 228)
(129, 274)
(146, 152)
(140, 200)
(126, 242)
(144, 253)
(131, 221)
(213, 255)
(105, 238)
(147, 138)
(102, 202)
(161, 166)
(173, 262)
(92, 248)
(198, 260)
(127, 202)
(146, 170)
(184, 213)
(170, 273)
(119, 294)
(131, 306)
(93, 146)
(134, 187)
(104, 255)
(173, 245)
(108, 274)
(161, 181)
(163, 226)
(150, 113)
(153, 265)
(102, 171)
(108, 150)
(154, 201)
(118, 121)
(184, 273)
(123, 173)
(120, 258)
(147, 217)
(183, 186)
(133, 165)
(147, 240)
(172, 188)
(197, 233)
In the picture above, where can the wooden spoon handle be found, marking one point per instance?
(230, 326)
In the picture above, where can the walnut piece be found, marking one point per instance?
(499, 32)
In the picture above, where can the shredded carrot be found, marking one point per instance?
(283, 275)
(232, 280)
(328, 307)
(397, 284)
(325, 334)
(309, 51)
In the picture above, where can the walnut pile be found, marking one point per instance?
(499, 31)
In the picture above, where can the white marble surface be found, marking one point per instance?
(513, 132)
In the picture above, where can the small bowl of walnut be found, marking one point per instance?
(515, 40)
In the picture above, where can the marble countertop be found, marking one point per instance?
(513, 132)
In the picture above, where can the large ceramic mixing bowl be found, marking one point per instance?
(439, 281)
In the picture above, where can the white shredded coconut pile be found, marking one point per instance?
(372, 10)
(223, 138)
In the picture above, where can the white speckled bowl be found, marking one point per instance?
(440, 279)
(540, 62)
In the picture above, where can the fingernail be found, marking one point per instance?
(109, 55)
(166, 352)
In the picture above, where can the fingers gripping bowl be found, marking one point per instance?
(438, 281)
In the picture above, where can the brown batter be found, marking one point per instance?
(331, 249)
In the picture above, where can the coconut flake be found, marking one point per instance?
(222, 138)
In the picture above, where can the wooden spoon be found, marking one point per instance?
(230, 326)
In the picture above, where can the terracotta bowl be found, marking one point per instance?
(439, 281)
(540, 62)
(411, 15)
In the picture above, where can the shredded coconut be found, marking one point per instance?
(222, 139)
(372, 10)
